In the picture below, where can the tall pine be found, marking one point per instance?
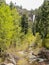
(42, 24)
(24, 23)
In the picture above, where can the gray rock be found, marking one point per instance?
(9, 64)
(12, 60)
(3, 64)
(44, 53)
(40, 59)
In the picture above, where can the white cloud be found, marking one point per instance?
(28, 4)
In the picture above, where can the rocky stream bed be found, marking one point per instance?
(27, 58)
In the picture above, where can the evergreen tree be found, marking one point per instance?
(11, 5)
(42, 23)
(24, 23)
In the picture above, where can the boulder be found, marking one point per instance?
(44, 53)
(9, 64)
(2, 63)
(6, 64)
(12, 60)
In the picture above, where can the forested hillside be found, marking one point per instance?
(18, 32)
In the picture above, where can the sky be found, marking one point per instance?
(27, 4)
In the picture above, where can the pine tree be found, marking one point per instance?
(11, 5)
(42, 24)
(24, 23)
